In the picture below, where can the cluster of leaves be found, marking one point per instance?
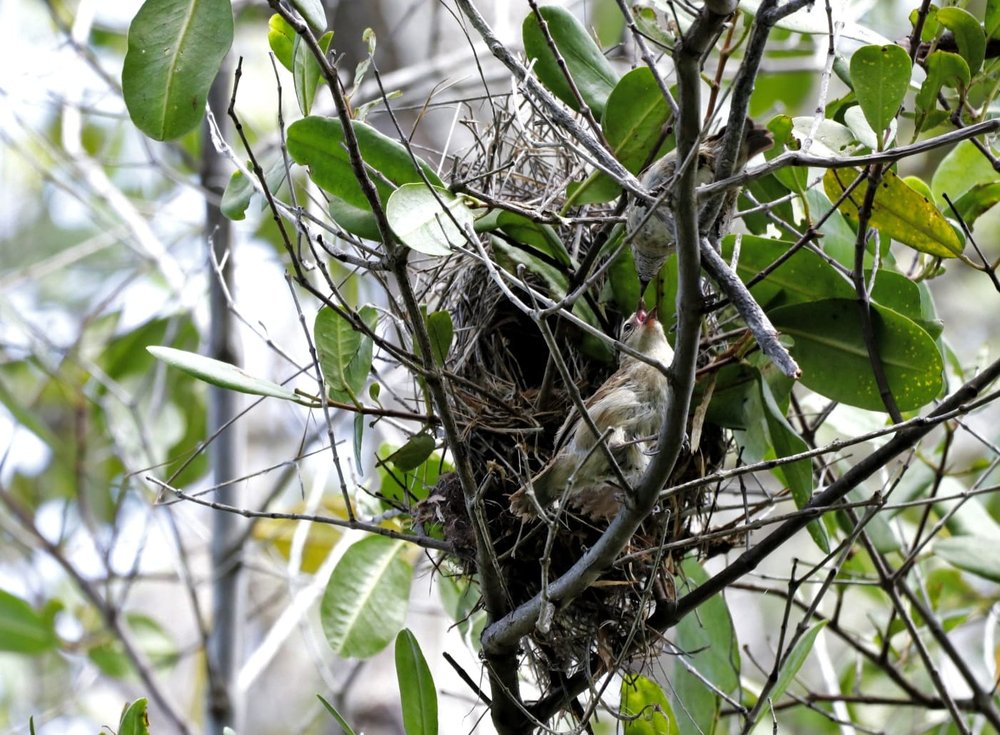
(808, 293)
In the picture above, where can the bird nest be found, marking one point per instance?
(510, 401)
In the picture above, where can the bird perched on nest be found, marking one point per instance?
(653, 240)
(626, 409)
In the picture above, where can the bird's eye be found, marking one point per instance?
(627, 328)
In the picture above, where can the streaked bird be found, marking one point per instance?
(626, 410)
(652, 239)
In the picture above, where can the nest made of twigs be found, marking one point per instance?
(500, 361)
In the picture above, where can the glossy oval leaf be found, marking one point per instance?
(633, 126)
(306, 71)
(400, 486)
(345, 354)
(134, 720)
(318, 142)
(364, 604)
(313, 12)
(898, 211)
(432, 221)
(943, 69)
(803, 277)
(593, 76)
(222, 374)
(22, 628)
(969, 35)
(645, 707)
(831, 352)
(963, 169)
(281, 38)
(881, 75)
(175, 49)
(417, 694)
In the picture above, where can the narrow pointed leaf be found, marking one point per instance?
(898, 211)
(881, 75)
(831, 351)
(364, 605)
(591, 72)
(967, 553)
(417, 694)
(793, 663)
(222, 374)
(347, 730)
(175, 49)
(441, 332)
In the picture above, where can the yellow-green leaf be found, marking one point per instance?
(898, 211)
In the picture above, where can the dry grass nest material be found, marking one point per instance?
(501, 360)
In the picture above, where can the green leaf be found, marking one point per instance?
(175, 49)
(135, 720)
(345, 355)
(403, 486)
(417, 694)
(978, 200)
(593, 75)
(912, 300)
(792, 663)
(802, 278)
(646, 707)
(898, 212)
(992, 24)
(441, 332)
(222, 374)
(364, 605)
(969, 35)
(963, 169)
(414, 453)
(881, 75)
(770, 436)
(967, 553)
(943, 68)
(540, 238)
(633, 126)
(306, 71)
(337, 716)
(313, 12)
(22, 628)
(281, 38)
(416, 215)
(831, 352)
(706, 641)
(240, 189)
(318, 142)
